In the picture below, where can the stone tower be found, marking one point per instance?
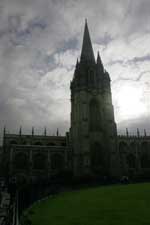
(93, 129)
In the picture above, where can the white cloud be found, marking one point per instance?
(39, 44)
(67, 59)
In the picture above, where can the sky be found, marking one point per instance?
(39, 44)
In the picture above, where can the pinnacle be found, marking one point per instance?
(98, 57)
(99, 62)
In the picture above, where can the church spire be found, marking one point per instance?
(87, 53)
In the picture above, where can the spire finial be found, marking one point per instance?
(127, 132)
(20, 131)
(32, 131)
(45, 131)
(138, 132)
(57, 133)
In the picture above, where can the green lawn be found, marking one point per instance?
(110, 205)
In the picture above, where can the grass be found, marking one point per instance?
(110, 205)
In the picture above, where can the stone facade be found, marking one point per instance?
(92, 146)
(134, 155)
(36, 156)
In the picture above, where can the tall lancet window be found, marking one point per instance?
(91, 77)
(94, 117)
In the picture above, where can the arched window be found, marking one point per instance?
(144, 147)
(21, 161)
(57, 162)
(123, 147)
(39, 161)
(131, 161)
(97, 158)
(145, 161)
(91, 77)
(95, 117)
(133, 146)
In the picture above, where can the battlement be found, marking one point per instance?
(133, 137)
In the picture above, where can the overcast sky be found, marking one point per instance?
(39, 44)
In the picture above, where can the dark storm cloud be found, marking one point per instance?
(39, 44)
(139, 59)
(134, 60)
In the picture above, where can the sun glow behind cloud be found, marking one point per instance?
(130, 104)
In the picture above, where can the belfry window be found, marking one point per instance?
(131, 161)
(91, 77)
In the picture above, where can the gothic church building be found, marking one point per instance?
(92, 146)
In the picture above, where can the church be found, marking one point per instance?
(91, 147)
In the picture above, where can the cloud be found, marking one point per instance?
(40, 42)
